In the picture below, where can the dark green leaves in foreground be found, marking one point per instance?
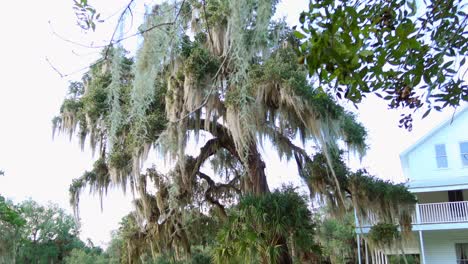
(410, 56)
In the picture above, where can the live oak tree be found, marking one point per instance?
(221, 69)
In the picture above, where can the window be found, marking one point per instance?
(464, 153)
(441, 156)
(462, 253)
(455, 196)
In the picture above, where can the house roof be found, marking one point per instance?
(432, 132)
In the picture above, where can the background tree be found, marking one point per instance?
(48, 235)
(11, 223)
(80, 256)
(411, 56)
(337, 238)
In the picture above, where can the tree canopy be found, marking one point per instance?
(220, 77)
(33, 233)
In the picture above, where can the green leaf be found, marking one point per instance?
(366, 53)
(299, 35)
(427, 112)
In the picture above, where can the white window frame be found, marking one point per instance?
(463, 154)
(437, 156)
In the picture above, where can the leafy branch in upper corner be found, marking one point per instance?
(411, 57)
(86, 15)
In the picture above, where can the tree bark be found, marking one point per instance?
(257, 182)
(285, 256)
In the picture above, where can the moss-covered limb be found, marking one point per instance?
(387, 201)
(98, 180)
(368, 195)
(283, 92)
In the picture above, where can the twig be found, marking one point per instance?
(72, 41)
(55, 69)
(118, 25)
(111, 42)
(206, 21)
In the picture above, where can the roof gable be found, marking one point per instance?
(438, 128)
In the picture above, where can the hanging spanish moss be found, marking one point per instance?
(223, 76)
(116, 115)
(155, 53)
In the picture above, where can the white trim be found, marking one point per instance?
(442, 156)
(463, 166)
(421, 227)
(438, 188)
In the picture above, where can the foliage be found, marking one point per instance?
(411, 56)
(337, 238)
(384, 200)
(384, 234)
(48, 235)
(409, 259)
(9, 214)
(257, 224)
(32, 233)
(80, 256)
(224, 92)
(86, 15)
(11, 222)
(369, 195)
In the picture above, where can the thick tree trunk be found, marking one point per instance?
(257, 183)
(284, 257)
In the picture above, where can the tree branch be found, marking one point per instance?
(208, 196)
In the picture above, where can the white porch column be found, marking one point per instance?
(421, 244)
(367, 252)
(418, 216)
(359, 248)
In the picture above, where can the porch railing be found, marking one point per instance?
(449, 212)
(431, 213)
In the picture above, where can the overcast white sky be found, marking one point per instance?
(31, 93)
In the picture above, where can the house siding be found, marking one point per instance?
(440, 245)
(421, 162)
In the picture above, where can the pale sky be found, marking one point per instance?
(31, 93)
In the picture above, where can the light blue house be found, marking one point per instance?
(436, 167)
